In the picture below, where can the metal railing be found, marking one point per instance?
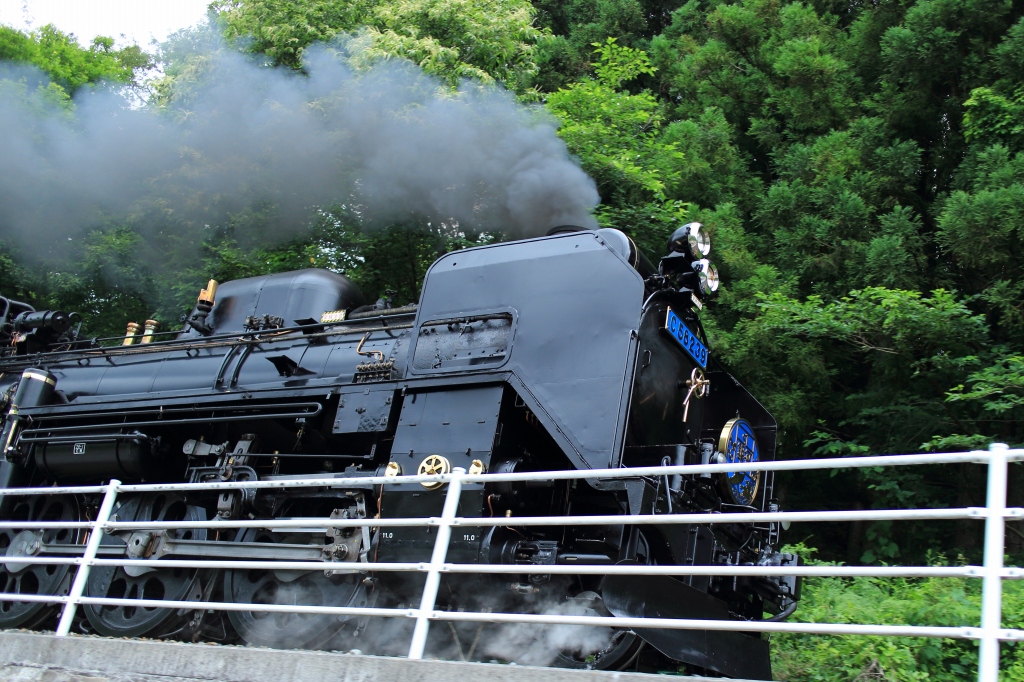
(989, 632)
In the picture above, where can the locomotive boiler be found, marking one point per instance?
(567, 352)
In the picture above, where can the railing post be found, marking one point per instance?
(992, 585)
(82, 575)
(437, 559)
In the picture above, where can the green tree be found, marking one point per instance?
(453, 39)
(620, 140)
(980, 227)
(577, 24)
(69, 65)
(617, 134)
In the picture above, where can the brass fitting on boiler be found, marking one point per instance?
(209, 294)
(151, 327)
(204, 305)
(129, 336)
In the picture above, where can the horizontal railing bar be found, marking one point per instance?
(34, 598)
(274, 523)
(725, 625)
(819, 571)
(227, 523)
(55, 490)
(522, 521)
(241, 564)
(270, 608)
(732, 517)
(159, 564)
(217, 606)
(46, 525)
(543, 619)
(558, 569)
(977, 457)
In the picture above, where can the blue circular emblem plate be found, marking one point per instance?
(739, 445)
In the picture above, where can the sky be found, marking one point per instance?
(127, 21)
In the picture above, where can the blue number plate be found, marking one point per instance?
(687, 339)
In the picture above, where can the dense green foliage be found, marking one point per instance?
(489, 40)
(860, 167)
(68, 65)
(942, 602)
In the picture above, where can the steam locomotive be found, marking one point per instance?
(566, 352)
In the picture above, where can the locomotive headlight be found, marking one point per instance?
(691, 238)
(708, 274)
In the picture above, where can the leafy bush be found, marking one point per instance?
(944, 602)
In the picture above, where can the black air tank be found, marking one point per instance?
(89, 460)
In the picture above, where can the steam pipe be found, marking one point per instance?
(404, 310)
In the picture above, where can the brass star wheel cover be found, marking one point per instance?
(432, 466)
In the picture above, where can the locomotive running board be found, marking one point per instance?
(728, 653)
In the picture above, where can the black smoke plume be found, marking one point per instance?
(389, 143)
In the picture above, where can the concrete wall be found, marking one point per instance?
(34, 657)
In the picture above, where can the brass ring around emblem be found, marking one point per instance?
(432, 466)
(738, 445)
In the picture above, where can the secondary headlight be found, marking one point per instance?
(691, 238)
(708, 274)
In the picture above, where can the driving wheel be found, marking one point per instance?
(19, 545)
(601, 648)
(134, 582)
(308, 588)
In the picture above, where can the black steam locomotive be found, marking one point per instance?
(565, 352)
